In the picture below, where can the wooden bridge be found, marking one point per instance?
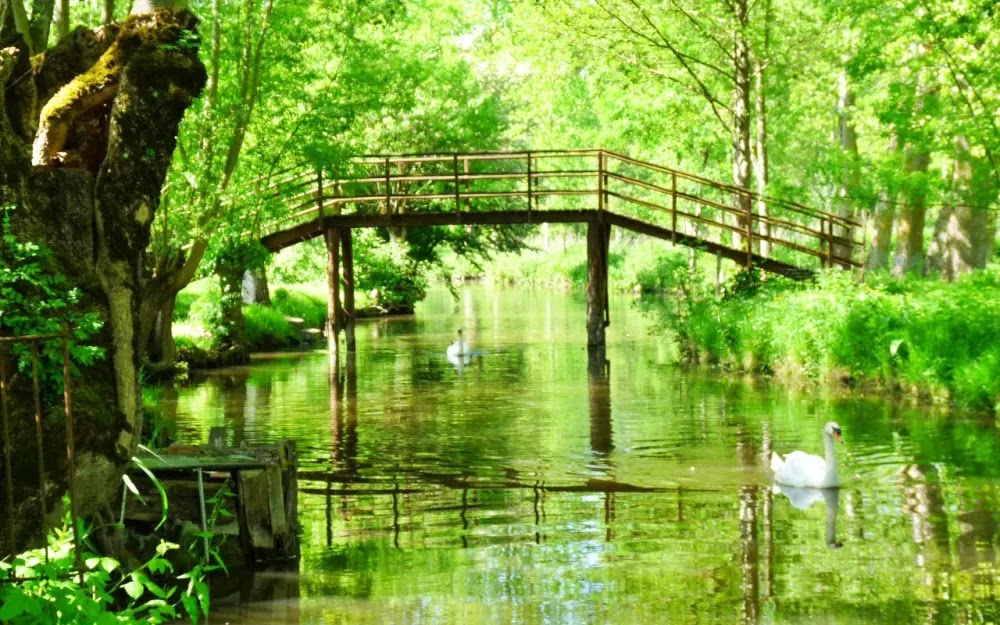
(596, 187)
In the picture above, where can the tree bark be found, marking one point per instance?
(881, 245)
(96, 219)
(910, 226)
(41, 20)
(255, 289)
(233, 330)
(159, 296)
(741, 116)
(965, 229)
(62, 19)
(850, 177)
(761, 162)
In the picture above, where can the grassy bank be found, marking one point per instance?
(934, 339)
(293, 308)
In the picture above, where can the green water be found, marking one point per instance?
(532, 486)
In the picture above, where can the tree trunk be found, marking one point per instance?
(41, 20)
(761, 162)
(255, 289)
(233, 332)
(910, 226)
(965, 230)
(741, 117)
(172, 273)
(850, 177)
(62, 18)
(93, 209)
(882, 218)
(161, 350)
(761, 172)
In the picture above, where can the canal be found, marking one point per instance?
(532, 485)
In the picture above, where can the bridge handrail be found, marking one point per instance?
(310, 187)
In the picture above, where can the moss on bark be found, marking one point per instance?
(96, 220)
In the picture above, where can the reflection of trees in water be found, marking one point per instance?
(977, 544)
(750, 554)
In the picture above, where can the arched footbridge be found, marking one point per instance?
(597, 187)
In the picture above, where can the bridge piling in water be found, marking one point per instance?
(347, 252)
(598, 238)
(332, 236)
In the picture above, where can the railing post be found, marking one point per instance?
(749, 204)
(673, 207)
(468, 182)
(829, 244)
(388, 183)
(458, 198)
(319, 193)
(601, 198)
(529, 181)
(36, 388)
(71, 450)
(8, 471)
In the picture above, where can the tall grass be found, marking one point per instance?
(924, 336)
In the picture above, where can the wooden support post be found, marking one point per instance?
(829, 244)
(601, 197)
(529, 181)
(319, 195)
(458, 193)
(468, 183)
(388, 186)
(718, 274)
(333, 288)
(749, 204)
(673, 207)
(598, 236)
(347, 248)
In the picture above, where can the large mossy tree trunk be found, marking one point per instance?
(87, 132)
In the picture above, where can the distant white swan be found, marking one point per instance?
(459, 348)
(807, 470)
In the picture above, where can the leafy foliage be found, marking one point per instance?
(36, 299)
(932, 338)
(109, 594)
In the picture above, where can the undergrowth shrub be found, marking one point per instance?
(926, 336)
(294, 302)
(268, 328)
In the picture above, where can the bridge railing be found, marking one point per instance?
(584, 180)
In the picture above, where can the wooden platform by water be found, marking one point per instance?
(247, 493)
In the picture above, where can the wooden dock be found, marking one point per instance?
(248, 493)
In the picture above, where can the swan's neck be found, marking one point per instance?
(831, 460)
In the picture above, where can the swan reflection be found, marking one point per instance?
(803, 498)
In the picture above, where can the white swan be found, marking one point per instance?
(459, 348)
(802, 469)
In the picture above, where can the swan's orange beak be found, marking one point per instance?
(837, 437)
